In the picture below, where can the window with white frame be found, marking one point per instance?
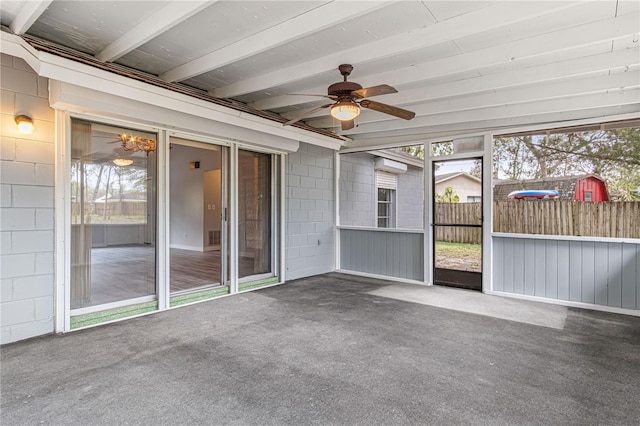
(386, 184)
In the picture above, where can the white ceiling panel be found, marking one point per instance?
(443, 10)
(583, 13)
(9, 9)
(89, 26)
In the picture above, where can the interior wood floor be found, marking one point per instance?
(126, 272)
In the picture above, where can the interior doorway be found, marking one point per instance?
(457, 223)
(198, 216)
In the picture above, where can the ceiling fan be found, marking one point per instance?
(350, 96)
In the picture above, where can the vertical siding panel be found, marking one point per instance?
(420, 258)
(411, 255)
(518, 265)
(498, 264)
(404, 253)
(550, 270)
(563, 270)
(508, 265)
(539, 271)
(575, 271)
(377, 265)
(388, 259)
(615, 275)
(600, 273)
(588, 272)
(395, 243)
(629, 282)
(637, 276)
(530, 266)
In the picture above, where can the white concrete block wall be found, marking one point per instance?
(357, 190)
(26, 209)
(410, 198)
(309, 212)
(358, 193)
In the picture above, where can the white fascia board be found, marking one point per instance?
(85, 101)
(104, 82)
(15, 46)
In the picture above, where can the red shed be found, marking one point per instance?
(580, 188)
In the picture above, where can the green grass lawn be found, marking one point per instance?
(458, 249)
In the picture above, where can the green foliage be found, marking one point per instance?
(611, 154)
(449, 196)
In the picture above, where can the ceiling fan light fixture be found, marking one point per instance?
(345, 110)
(122, 162)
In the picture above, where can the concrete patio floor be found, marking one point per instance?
(334, 349)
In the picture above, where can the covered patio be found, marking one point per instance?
(335, 349)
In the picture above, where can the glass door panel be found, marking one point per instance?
(254, 214)
(113, 214)
(197, 213)
(457, 192)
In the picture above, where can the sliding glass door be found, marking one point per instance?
(198, 215)
(255, 214)
(113, 215)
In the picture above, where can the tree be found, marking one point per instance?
(449, 196)
(611, 154)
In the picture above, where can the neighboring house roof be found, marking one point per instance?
(447, 176)
(565, 185)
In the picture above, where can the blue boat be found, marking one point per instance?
(534, 193)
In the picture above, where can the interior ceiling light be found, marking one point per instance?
(345, 110)
(136, 143)
(25, 124)
(122, 162)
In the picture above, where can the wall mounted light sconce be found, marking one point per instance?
(25, 124)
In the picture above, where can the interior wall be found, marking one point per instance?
(309, 220)
(27, 205)
(187, 204)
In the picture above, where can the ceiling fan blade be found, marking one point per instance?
(347, 125)
(306, 114)
(368, 92)
(388, 109)
(313, 94)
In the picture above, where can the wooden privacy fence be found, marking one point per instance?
(459, 213)
(547, 217)
(567, 217)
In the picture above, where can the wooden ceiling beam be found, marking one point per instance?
(314, 20)
(30, 12)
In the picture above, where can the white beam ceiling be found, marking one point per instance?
(319, 18)
(456, 27)
(166, 18)
(508, 54)
(30, 12)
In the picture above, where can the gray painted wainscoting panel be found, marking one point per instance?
(600, 273)
(615, 276)
(518, 273)
(588, 272)
(392, 254)
(575, 271)
(538, 274)
(550, 261)
(629, 260)
(498, 261)
(563, 270)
